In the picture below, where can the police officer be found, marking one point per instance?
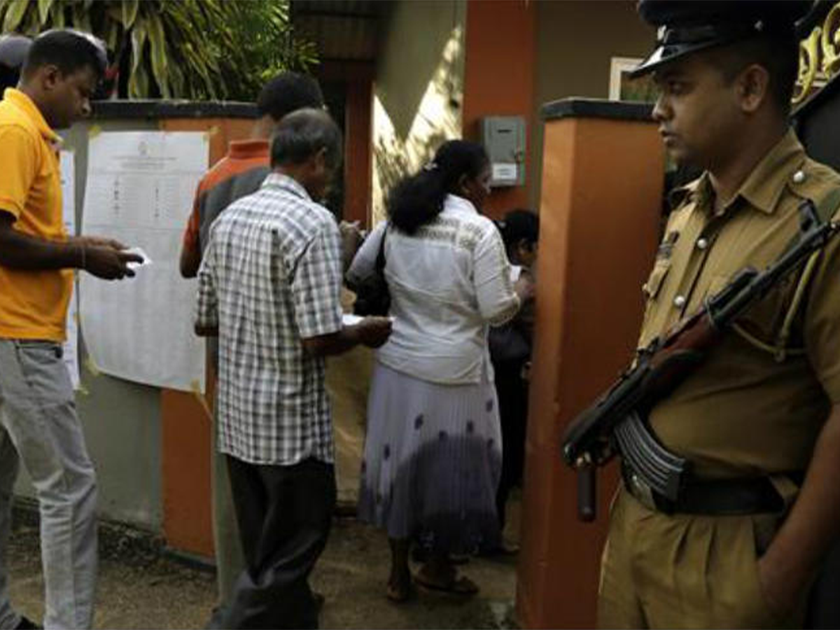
(13, 49)
(760, 420)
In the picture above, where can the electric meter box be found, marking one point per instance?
(503, 137)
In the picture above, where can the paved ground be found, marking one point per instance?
(140, 589)
(145, 590)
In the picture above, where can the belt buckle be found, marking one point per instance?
(642, 492)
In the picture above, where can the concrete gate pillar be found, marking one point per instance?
(600, 214)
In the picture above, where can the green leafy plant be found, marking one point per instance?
(195, 49)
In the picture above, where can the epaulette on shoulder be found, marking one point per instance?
(814, 181)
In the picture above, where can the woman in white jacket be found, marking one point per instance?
(433, 448)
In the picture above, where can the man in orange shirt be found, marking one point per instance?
(38, 422)
(242, 171)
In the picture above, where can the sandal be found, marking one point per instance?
(458, 585)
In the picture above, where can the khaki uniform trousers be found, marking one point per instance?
(684, 571)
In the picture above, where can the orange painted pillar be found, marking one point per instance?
(600, 213)
(356, 79)
(185, 424)
(358, 158)
(499, 58)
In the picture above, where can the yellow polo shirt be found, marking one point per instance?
(744, 412)
(33, 304)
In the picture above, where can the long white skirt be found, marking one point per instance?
(432, 461)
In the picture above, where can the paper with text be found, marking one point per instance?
(68, 199)
(140, 188)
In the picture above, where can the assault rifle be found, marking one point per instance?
(592, 438)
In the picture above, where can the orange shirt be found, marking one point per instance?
(33, 304)
(239, 173)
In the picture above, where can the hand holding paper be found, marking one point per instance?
(374, 331)
(108, 262)
(145, 259)
(348, 319)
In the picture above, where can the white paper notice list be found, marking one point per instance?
(140, 187)
(68, 199)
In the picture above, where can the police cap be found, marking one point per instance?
(688, 26)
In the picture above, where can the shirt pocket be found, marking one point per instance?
(764, 318)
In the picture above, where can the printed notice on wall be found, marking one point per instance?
(140, 187)
(68, 197)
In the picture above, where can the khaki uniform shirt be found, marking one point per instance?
(744, 413)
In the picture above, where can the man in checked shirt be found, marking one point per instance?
(269, 286)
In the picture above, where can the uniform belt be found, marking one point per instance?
(718, 497)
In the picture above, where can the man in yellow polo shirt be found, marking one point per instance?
(38, 422)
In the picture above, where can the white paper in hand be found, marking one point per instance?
(350, 320)
(139, 251)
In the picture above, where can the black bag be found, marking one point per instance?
(508, 344)
(372, 295)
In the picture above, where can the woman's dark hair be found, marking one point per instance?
(517, 226)
(418, 199)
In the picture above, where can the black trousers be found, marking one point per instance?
(512, 392)
(284, 515)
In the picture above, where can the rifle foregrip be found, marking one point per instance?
(587, 491)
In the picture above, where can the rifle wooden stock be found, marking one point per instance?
(659, 368)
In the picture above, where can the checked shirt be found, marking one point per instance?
(270, 277)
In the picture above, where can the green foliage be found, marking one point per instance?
(258, 23)
(194, 49)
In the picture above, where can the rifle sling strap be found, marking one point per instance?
(825, 210)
